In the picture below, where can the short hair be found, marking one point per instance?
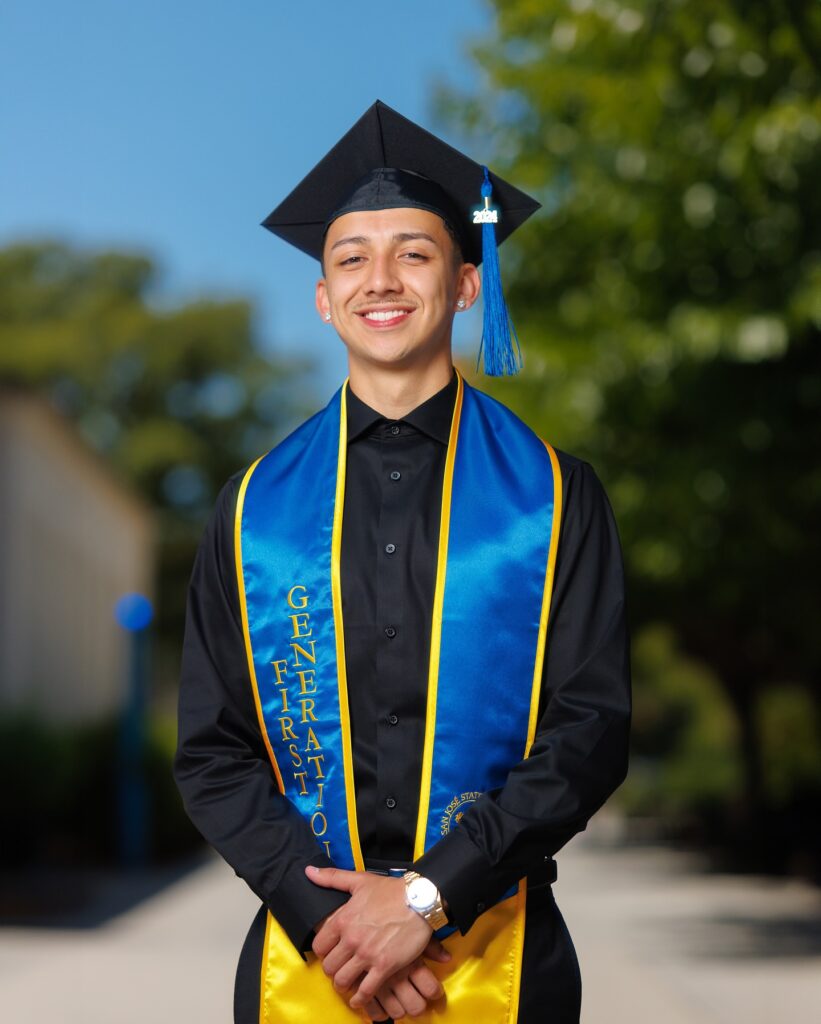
(458, 255)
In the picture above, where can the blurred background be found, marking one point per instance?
(154, 339)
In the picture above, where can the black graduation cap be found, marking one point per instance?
(386, 161)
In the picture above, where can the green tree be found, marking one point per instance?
(175, 399)
(668, 299)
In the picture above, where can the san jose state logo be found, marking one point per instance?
(455, 809)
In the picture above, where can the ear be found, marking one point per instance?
(323, 305)
(468, 284)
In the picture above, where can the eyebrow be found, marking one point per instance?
(404, 236)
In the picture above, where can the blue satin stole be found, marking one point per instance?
(501, 508)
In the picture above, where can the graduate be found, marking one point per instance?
(405, 680)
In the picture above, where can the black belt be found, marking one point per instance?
(538, 879)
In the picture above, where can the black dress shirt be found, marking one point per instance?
(390, 536)
(389, 544)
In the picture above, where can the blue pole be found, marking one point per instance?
(134, 613)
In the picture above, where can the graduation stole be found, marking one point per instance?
(501, 510)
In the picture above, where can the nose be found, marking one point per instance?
(382, 277)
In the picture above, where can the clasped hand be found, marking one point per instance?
(374, 943)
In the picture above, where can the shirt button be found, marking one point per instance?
(393, 719)
(480, 908)
(390, 803)
(395, 475)
(390, 632)
(395, 428)
(390, 548)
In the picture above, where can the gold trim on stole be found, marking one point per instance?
(246, 633)
(436, 624)
(546, 597)
(336, 597)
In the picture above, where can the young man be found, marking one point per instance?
(405, 680)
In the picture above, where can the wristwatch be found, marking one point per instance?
(422, 896)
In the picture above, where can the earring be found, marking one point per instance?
(461, 303)
(327, 317)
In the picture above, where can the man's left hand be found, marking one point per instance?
(372, 936)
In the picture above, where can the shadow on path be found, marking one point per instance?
(732, 936)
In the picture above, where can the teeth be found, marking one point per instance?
(384, 314)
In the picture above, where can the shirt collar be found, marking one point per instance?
(432, 417)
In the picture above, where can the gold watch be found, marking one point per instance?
(422, 896)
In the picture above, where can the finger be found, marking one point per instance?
(349, 974)
(369, 988)
(376, 1011)
(393, 1008)
(325, 940)
(413, 1002)
(332, 878)
(426, 982)
(337, 958)
(436, 951)
(321, 924)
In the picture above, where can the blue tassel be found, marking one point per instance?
(498, 332)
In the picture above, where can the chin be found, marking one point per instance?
(386, 354)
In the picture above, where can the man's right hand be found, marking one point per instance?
(410, 990)
(373, 945)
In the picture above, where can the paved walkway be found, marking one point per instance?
(169, 961)
(659, 941)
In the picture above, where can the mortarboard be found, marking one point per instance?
(386, 161)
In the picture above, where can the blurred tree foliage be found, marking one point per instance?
(668, 298)
(175, 399)
(69, 814)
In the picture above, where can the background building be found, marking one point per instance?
(73, 540)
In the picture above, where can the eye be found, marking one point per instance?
(415, 255)
(349, 260)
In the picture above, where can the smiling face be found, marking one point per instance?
(392, 282)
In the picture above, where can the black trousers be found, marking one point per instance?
(551, 981)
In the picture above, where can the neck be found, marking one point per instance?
(392, 391)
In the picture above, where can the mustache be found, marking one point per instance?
(384, 307)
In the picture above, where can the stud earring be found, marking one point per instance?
(327, 317)
(461, 303)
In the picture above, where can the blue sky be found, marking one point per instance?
(175, 127)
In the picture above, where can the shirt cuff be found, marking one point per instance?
(299, 905)
(464, 876)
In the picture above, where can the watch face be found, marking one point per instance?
(421, 894)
